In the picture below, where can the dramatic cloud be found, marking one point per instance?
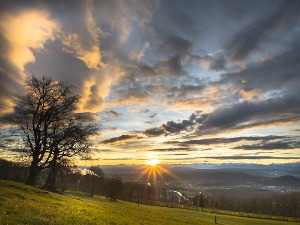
(123, 138)
(211, 141)
(252, 37)
(21, 32)
(171, 149)
(83, 41)
(161, 77)
(271, 146)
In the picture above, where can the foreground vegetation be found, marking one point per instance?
(21, 204)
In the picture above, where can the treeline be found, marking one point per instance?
(279, 204)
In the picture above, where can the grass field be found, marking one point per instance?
(21, 204)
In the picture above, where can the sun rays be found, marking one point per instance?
(154, 172)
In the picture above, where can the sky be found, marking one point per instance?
(178, 81)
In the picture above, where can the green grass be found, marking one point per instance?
(21, 204)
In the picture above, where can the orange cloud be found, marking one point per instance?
(97, 87)
(23, 32)
(85, 47)
(26, 31)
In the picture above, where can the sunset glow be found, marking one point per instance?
(185, 83)
(152, 162)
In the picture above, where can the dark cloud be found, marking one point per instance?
(122, 138)
(148, 70)
(153, 115)
(171, 149)
(213, 141)
(270, 146)
(152, 118)
(214, 63)
(179, 154)
(144, 89)
(238, 157)
(113, 113)
(251, 37)
(89, 117)
(154, 132)
(175, 45)
(279, 73)
(172, 66)
(182, 21)
(172, 127)
(231, 117)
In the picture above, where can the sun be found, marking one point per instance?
(152, 162)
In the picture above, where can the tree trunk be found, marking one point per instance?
(33, 171)
(51, 180)
(93, 183)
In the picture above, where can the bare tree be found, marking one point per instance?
(45, 116)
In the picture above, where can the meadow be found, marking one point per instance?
(22, 204)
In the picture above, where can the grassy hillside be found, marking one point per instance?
(21, 204)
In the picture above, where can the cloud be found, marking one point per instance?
(154, 132)
(153, 115)
(89, 117)
(97, 87)
(121, 139)
(175, 127)
(83, 41)
(175, 45)
(213, 141)
(29, 29)
(249, 95)
(171, 66)
(240, 157)
(253, 36)
(22, 32)
(213, 63)
(172, 127)
(270, 146)
(245, 111)
(171, 149)
(113, 113)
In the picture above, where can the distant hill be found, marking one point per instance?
(286, 180)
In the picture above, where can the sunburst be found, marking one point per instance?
(154, 170)
(152, 162)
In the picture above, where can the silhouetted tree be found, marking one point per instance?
(50, 127)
